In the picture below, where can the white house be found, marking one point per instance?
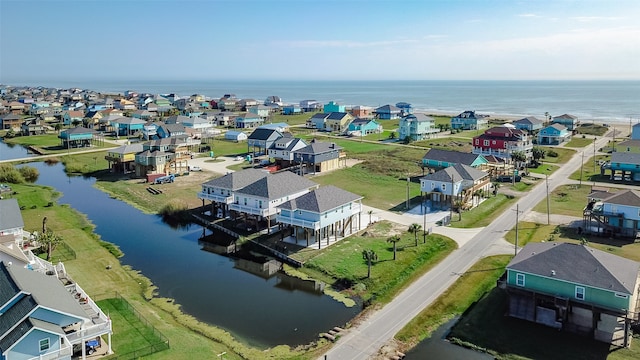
(283, 148)
(460, 181)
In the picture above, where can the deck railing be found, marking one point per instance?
(62, 353)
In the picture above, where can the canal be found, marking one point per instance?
(262, 312)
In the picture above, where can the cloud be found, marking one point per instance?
(343, 43)
(595, 18)
(528, 15)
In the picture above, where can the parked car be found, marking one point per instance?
(195, 168)
(508, 178)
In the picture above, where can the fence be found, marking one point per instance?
(154, 338)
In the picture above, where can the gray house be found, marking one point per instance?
(318, 157)
(261, 140)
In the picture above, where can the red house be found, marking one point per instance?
(502, 141)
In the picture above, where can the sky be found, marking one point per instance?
(319, 40)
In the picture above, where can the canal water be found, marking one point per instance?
(436, 347)
(8, 152)
(262, 312)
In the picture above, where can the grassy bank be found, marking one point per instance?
(483, 214)
(468, 289)
(343, 265)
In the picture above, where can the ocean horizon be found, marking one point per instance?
(590, 100)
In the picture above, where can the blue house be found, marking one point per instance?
(635, 132)
(291, 109)
(333, 107)
(623, 165)
(417, 127)
(248, 120)
(469, 120)
(530, 123)
(388, 112)
(76, 137)
(43, 319)
(126, 126)
(553, 134)
(438, 159)
(364, 126)
(322, 213)
(405, 108)
(571, 122)
(170, 130)
(318, 121)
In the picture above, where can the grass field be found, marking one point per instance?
(342, 263)
(592, 129)
(577, 142)
(564, 155)
(544, 169)
(591, 169)
(50, 144)
(446, 143)
(566, 200)
(469, 288)
(483, 214)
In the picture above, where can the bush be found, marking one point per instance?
(9, 174)
(174, 207)
(30, 174)
(552, 153)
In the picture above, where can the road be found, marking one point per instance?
(365, 339)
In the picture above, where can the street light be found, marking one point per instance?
(546, 179)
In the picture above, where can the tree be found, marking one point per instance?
(458, 204)
(519, 157)
(57, 127)
(547, 117)
(415, 229)
(394, 239)
(392, 135)
(370, 212)
(50, 240)
(496, 186)
(538, 153)
(370, 256)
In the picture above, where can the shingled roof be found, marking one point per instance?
(625, 158)
(450, 156)
(456, 173)
(237, 180)
(277, 186)
(321, 200)
(578, 264)
(625, 197)
(10, 215)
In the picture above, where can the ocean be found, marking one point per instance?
(598, 101)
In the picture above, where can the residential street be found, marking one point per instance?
(364, 340)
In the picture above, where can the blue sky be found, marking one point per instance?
(309, 40)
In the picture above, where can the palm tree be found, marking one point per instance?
(496, 186)
(547, 117)
(394, 239)
(415, 229)
(370, 256)
(458, 204)
(50, 240)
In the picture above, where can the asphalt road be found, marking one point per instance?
(364, 340)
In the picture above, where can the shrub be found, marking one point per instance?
(552, 153)
(9, 174)
(173, 207)
(30, 174)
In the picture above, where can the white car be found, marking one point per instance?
(195, 168)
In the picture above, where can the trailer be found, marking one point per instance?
(165, 179)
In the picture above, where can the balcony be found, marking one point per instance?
(252, 210)
(299, 222)
(62, 353)
(219, 198)
(99, 323)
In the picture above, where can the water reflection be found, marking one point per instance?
(262, 312)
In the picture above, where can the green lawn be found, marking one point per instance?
(485, 327)
(591, 169)
(564, 155)
(389, 124)
(50, 144)
(469, 288)
(342, 263)
(134, 335)
(592, 129)
(566, 200)
(483, 214)
(446, 143)
(544, 169)
(222, 147)
(297, 119)
(578, 142)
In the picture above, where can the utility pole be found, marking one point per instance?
(407, 193)
(546, 179)
(515, 251)
(594, 153)
(424, 218)
(581, 166)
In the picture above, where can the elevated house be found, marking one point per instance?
(33, 126)
(623, 166)
(76, 137)
(617, 214)
(469, 120)
(456, 186)
(248, 120)
(317, 121)
(318, 157)
(283, 149)
(170, 130)
(387, 112)
(142, 114)
(262, 111)
(363, 127)
(416, 127)
(197, 123)
(291, 109)
(226, 118)
(554, 134)
(405, 108)
(361, 111)
(10, 121)
(259, 200)
(529, 123)
(333, 106)
(44, 319)
(337, 122)
(220, 191)
(72, 117)
(571, 122)
(260, 140)
(126, 126)
(310, 105)
(502, 141)
(246, 104)
(164, 156)
(635, 132)
(235, 136)
(575, 288)
(322, 213)
(439, 159)
(123, 159)
(273, 101)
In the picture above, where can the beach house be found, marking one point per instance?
(388, 112)
(469, 120)
(571, 122)
(414, 127)
(220, 191)
(438, 159)
(455, 186)
(617, 214)
(123, 159)
(554, 134)
(502, 141)
(319, 157)
(283, 149)
(322, 213)
(576, 288)
(529, 123)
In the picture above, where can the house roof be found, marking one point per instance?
(451, 156)
(322, 116)
(127, 149)
(129, 121)
(456, 173)
(419, 117)
(176, 119)
(317, 147)
(8, 287)
(625, 158)
(237, 180)
(277, 186)
(16, 313)
(629, 143)
(625, 197)
(321, 200)
(578, 264)
(565, 116)
(10, 117)
(470, 115)
(264, 134)
(387, 109)
(337, 115)
(558, 127)
(529, 120)
(173, 128)
(10, 215)
(46, 290)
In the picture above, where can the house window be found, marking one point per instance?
(623, 296)
(245, 201)
(486, 143)
(444, 187)
(579, 292)
(520, 279)
(433, 185)
(494, 142)
(44, 344)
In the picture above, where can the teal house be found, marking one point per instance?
(364, 126)
(575, 288)
(126, 126)
(76, 137)
(333, 107)
(623, 165)
(571, 122)
(248, 120)
(439, 159)
(417, 127)
(554, 134)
